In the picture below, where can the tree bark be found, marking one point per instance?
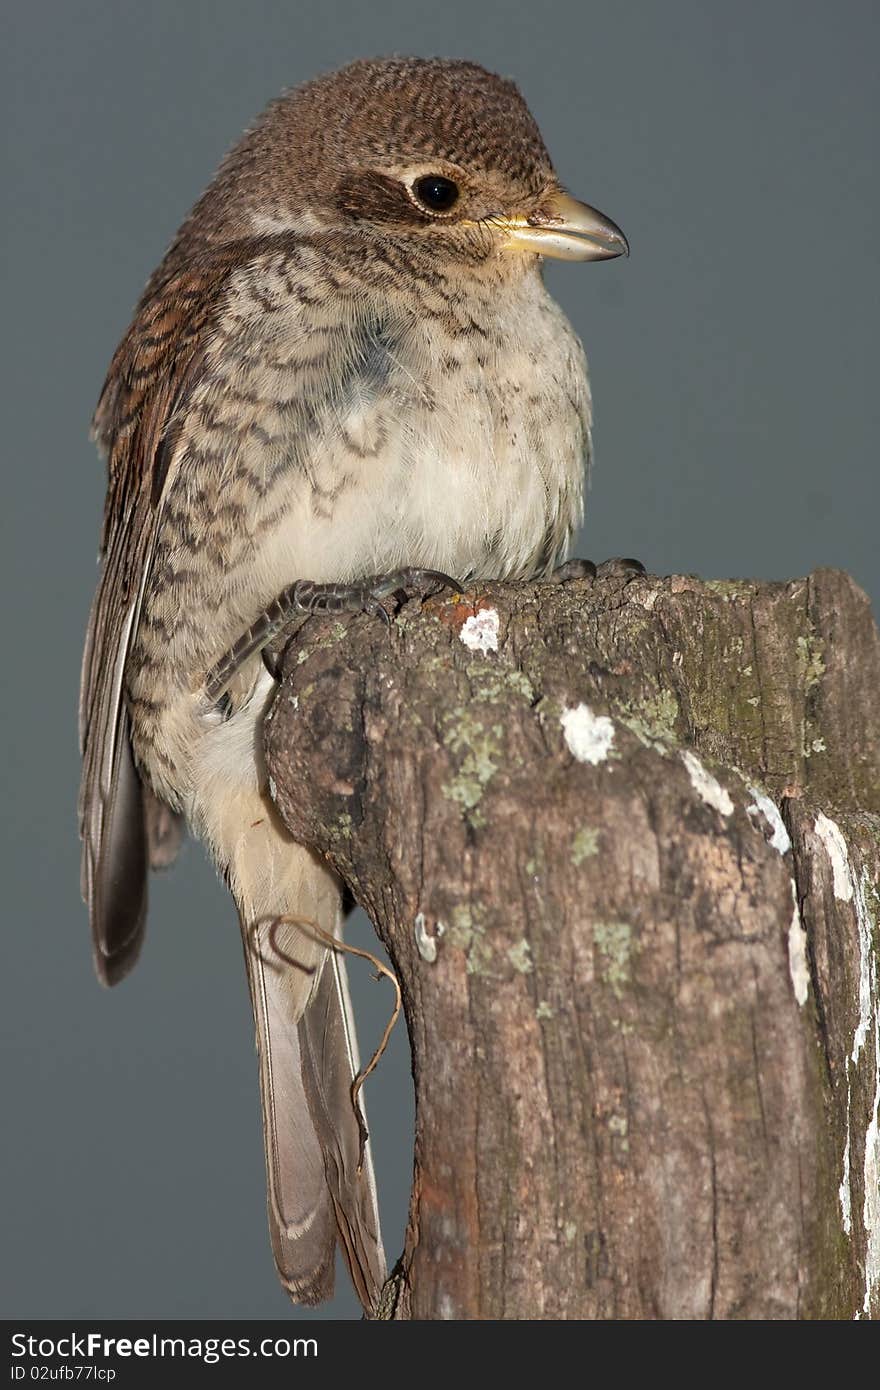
(622, 843)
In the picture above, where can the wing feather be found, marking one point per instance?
(151, 373)
(308, 1060)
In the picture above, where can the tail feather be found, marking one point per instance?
(318, 1190)
(316, 1196)
(302, 1219)
(330, 1063)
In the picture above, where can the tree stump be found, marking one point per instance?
(622, 843)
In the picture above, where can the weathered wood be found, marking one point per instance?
(622, 842)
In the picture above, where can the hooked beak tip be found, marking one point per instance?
(569, 230)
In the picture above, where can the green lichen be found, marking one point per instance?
(618, 1124)
(619, 1127)
(520, 957)
(549, 710)
(652, 718)
(495, 684)
(584, 845)
(812, 660)
(468, 933)
(544, 1011)
(477, 748)
(728, 588)
(461, 928)
(614, 943)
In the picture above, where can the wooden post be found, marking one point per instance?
(622, 843)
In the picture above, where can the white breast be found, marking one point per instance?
(470, 460)
(418, 446)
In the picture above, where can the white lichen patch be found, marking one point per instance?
(835, 847)
(589, 736)
(479, 632)
(762, 805)
(871, 1171)
(871, 1208)
(426, 944)
(844, 1191)
(705, 785)
(798, 966)
(849, 887)
(863, 921)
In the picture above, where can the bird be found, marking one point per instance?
(345, 375)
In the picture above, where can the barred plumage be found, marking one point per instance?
(322, 382)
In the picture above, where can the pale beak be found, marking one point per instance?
(568, 231)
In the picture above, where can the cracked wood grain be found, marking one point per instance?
(623, 1108)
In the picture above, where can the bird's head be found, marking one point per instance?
(438, 153)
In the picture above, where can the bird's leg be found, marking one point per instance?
(304, 597)
(585, 569)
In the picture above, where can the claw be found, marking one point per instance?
(572, 569)
(415, 579)
(375, 609)
(620, 567)
(585, 569)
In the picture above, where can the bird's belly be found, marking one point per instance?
(471, 467)
(490, 487)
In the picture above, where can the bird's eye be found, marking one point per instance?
(436, 193)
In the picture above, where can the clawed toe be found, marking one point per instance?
(620, 568)
(305, 598)
(616, 568)
(402, 585)
(425, 582)
(573, 569)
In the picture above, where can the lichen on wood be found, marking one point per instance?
(640, 973)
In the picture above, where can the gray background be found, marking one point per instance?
(734, 372)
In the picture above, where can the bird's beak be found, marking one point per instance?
(568, 231)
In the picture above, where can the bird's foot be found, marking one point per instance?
(305, 598)
(367, 596)
(585, 569)
(620, 568)
(572, 569)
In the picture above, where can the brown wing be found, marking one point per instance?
(152, 371)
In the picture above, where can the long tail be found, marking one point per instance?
(318, 1193)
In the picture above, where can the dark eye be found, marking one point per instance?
(436, 193)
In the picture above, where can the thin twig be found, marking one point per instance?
(335, 944)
